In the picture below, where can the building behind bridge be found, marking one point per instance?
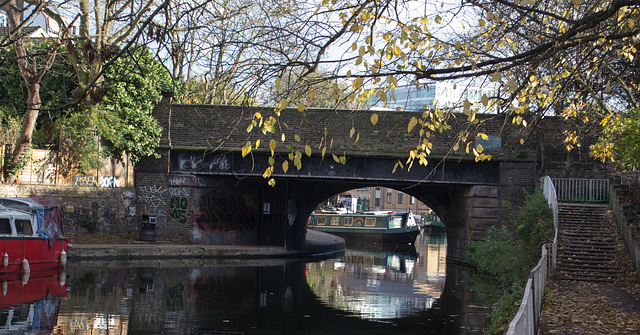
(438, 94)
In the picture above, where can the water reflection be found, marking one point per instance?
(29, 303)
(362, 291)
(378, 285)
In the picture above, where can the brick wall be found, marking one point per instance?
(198, 208)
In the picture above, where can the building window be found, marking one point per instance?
(412, 200)
(377, 202)
(389, 196)
(400, 198)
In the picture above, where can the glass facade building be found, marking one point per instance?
(437, 95)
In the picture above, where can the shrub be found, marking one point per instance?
(508, 253)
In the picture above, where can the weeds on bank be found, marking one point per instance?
(505, 257)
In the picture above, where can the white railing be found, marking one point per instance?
(550, 194)
(582, 190)
(527, 319)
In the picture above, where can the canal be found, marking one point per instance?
(366, 290)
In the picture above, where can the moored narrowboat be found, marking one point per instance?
(386, 227)
(31, 235)
(431, 224)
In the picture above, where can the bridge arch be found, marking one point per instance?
(464, 209)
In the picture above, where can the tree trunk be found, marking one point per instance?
(32, 82)
(31, 115)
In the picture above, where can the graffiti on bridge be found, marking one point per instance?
(127, 197)
(187, 180)
(202, 163)
(224, 214)
(179, 208)
(152, 197)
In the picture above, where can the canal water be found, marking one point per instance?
(373, 290)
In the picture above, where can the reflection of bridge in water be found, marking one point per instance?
(245, 297)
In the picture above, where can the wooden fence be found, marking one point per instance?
(42, 168)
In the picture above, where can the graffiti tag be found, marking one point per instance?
(178, 209)
(178, 191)
(84, 180)
(153, 199)
(127, 197)
(109, 182)
(224, 214)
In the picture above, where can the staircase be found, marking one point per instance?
(589, 245)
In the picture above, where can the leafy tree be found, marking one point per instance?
(115, 25)
(620, 140)
(57, 87)
(133, 85)
(122, 122)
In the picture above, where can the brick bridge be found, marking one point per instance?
(202, 190)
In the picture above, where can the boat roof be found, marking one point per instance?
(19, 204)
(372, 213)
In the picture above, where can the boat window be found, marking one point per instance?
(358, 222)
(23, 227)
(5, 226)
(395, 222)
(370, 222)
(335, 221)
(322, 221)
(348, 222)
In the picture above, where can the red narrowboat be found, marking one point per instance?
(31, 235)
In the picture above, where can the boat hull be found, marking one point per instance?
(385, 227)
(36, 251)
(434, 228)
(372, 234)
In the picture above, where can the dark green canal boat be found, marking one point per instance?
(386, 227)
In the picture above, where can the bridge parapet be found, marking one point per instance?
(224, 128)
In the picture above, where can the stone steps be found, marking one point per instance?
(588, 244)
